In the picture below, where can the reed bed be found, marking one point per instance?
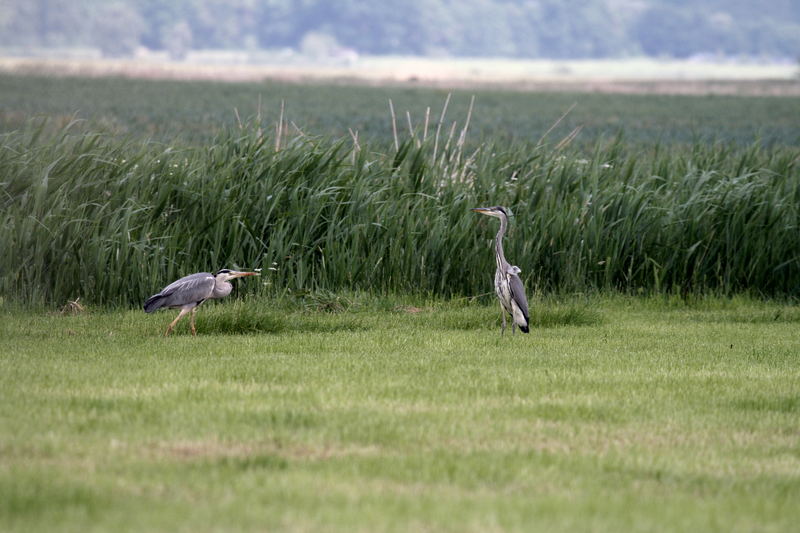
(109, 220)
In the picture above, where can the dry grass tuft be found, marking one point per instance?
(73, 307)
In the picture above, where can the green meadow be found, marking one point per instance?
(362, 383)
(394, 414)
(193, 112)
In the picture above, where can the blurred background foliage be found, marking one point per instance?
(479, 28)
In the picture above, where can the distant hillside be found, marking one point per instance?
(479, 28)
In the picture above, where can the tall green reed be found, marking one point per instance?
(112, 220)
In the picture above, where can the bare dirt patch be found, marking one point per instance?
(215, 449)
(624, 77)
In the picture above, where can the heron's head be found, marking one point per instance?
(496, 211)
(226, 274)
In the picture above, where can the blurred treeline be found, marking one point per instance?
(510, 28)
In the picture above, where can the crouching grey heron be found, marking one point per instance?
(507, 284)
(192, 290)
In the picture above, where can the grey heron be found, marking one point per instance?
(192, 290)
(507, 284)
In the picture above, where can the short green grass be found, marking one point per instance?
(614, 414)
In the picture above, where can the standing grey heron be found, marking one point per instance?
(192, 290)
(507, 284)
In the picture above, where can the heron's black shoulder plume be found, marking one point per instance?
(153, 303)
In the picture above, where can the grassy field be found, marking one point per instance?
(178, 113)
(313, 401)
(395, 414)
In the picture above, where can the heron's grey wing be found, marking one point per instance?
(192, 280)
(190, 289)
(518, 293)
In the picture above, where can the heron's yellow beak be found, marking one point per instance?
(243, 274)
(481, 210)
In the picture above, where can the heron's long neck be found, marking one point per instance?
(221, 288)
(498, 242)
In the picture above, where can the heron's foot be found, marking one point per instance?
(169, 330)
(194, 332)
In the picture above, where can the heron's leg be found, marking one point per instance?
(175, 322)
(503, 314)
(194, 330)
(513, 325)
